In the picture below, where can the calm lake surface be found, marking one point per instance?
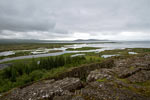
(103, 46)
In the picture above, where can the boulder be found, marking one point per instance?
(100, 74)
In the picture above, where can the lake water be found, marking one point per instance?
(102, 46)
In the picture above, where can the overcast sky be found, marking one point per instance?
(75, 19)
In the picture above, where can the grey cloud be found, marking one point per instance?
(62, 18)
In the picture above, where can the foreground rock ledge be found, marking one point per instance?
(45, 90)
(127, 79)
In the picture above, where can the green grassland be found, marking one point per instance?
(28, 46)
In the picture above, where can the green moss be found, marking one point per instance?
(146, 83)
(124, 80)
(132, 68)
(145, 91)
(102, 80)
(144, 88)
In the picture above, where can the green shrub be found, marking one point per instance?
(22, 73)
(36, 75)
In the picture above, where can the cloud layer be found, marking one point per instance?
(73, 19)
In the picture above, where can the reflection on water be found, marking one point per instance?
(107, 56)
(132, 53)
(77, 55)
(104, 46)
(7, 53)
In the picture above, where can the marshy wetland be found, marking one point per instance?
(23, 51)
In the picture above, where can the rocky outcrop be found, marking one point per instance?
(83, 71)
(103, 73)
(45, 90)
(123, 79)
(128, 81)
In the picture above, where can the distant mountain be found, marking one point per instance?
(14, 41)
(89, 40)
(6, 41)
